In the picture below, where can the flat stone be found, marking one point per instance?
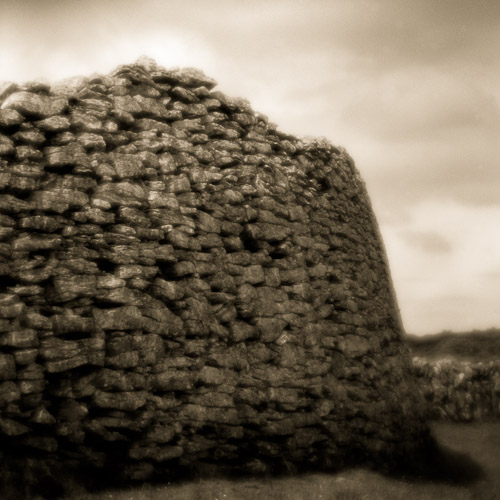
(85, 122)
(167, 290)
(36, 321)
(71, 410)
(124, 401)
(121, 318)
(25, 356)
(43, 417)
(10, 118)
(173, 381)
(54, 124)
(60, 156)
(10, 427)
(121, 194)
(22, 184)
(72, 323)
(7, 367)
(109, 282)
(7, 88)
(35, 105)
(32, 136)
(209, 375)
(92, 141)
(128, 104)
(62, 365)
(270, 329)
(11, 204)
(162, 434)
(33, 243)
(6, 146)
(179, 184)
(9, 392)
(156, 453)
(208, 223)
(11, 310)
(67, 288)
(19, 339)
(28, 152)
(119, 296)
(253, 274)
(150, 107)
(241, 331)
(123, 360)
(127, 166)
(187, 77)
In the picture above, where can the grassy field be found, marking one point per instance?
(479, 442)
(468, 346)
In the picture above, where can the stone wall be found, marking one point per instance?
(461, 391)
(183, 284)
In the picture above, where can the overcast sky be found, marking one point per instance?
(411, 88)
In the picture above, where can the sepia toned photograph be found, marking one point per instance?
(249, 250)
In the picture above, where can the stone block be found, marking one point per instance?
(19, 339)
(34, 243)
(59, 200)
(10, 427)
(209, 375)
(11, 205)
(269, 329)
(173, 380)
(25, 356)
(11, 310)
(54, 124)
(167, 290)
(127, 166)
(9, 392)
(61, 156)
(10, 118)
(62, 365)
(127, 401)
(207, 223)
(72, 286)
(35, 105)
(123, 360)
(253, 274)
(156, 453)
(42, 223)
(121, 318)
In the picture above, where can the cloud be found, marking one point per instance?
(411, 89)
(418, 104)
(457, 286)
(458, 313)
(427, 241)
(424, 134)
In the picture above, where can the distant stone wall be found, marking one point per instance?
(461, 391)
(183, 284)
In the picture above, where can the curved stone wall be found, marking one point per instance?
(183, 284)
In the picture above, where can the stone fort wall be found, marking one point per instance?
(184, 284)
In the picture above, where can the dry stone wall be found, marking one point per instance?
(460, 391)
(183, 284)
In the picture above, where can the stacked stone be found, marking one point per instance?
(182, 283)
(461, 391)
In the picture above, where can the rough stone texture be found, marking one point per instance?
(461, 391)
(183, 284)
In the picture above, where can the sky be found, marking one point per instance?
(411, 88)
